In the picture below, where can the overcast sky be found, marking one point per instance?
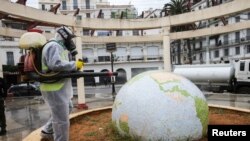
(139, 4)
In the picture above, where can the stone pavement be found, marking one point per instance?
(26, 114)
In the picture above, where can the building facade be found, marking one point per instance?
(224, 48)
(133, 58)
(129, 58)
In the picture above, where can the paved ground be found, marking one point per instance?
(27, 114)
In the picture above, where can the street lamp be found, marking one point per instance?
(111, 47)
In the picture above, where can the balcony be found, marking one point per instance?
(9, 43)
(122, 59)
(71, 8)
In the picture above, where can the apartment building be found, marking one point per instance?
(224, 48)
(130, 59)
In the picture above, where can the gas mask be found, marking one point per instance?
(67, 35)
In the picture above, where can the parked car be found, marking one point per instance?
(23, 89)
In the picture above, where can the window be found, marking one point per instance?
(104, 58)
(248, 48)
(226, 52)
(248, 34)
(85, 32)
(88, 15)
(135, 32)
(136, 53)
(249, 67)
(75, 4)
(119, 33)
(237, 37)
(152, 52)
(194, 44)
(10, 58)
(43, 7)
(248, 15)
(242, 66)
(64, 5)
(173, 58)
(216, 53)
(237, 50)
(87, 4)
(113, 15)
(102, 15)
(201, 57)
(237, 19)
(103, 33)
(200, 44)
(194, 57)
(225, 37)
(8, 38)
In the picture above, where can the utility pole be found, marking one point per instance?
(112, 77)
(111, 47)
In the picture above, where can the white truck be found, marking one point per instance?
(233, 77)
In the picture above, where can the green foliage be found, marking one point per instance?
(87, 118)
(202, 113)
(176, 7)
(124, 126)
(90, 134)
(116, 136)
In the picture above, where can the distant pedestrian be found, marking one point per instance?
(3, 94)
(93, 82)
(105, 80)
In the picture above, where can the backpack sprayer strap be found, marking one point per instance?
(49, 73)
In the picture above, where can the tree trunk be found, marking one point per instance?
(189, 51)
(179, 52)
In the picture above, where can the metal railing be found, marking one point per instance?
(220, 44)
(84, 7)
(127, 58)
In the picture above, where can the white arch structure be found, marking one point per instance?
(164, 23)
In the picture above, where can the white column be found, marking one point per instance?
(95, 53)
(145, 52)
(207, 50)
(1, 68)
(80, 81)
(166, 49)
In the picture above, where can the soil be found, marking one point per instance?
(97, 126)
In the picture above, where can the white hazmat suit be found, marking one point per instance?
(55, 58)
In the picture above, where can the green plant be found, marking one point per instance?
(90, 134)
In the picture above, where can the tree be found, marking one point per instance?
(175, 7)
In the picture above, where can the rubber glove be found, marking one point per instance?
(79, 64)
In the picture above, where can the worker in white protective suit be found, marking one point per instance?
(47, 130)
(58, 94)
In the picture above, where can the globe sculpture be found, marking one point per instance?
(158, 105)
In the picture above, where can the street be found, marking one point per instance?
(90, 90)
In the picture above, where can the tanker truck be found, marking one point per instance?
(234, 78)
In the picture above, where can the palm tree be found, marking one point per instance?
(175, 7)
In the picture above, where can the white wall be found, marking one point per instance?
(7, 48)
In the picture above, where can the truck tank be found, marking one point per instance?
(203, 74)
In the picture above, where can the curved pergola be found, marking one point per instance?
(29, 13)
(35, 15)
